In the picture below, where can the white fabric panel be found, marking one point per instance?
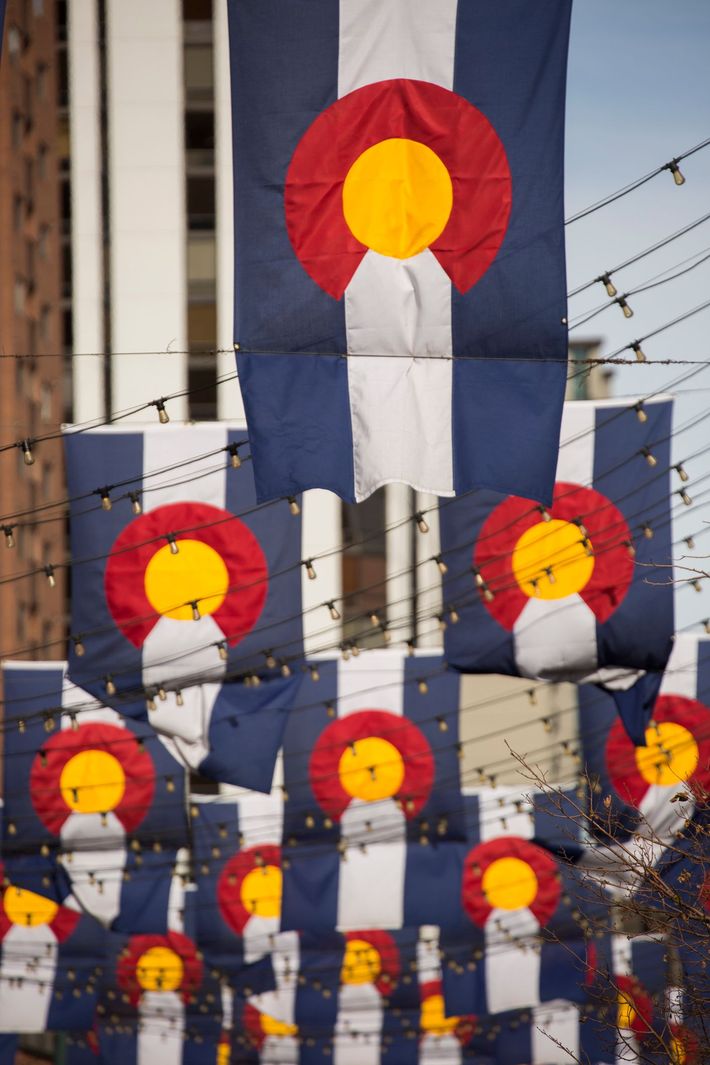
(440, 1050)
(286, 959)
(428, 960)
(202, 481)
(28, 955)
(280, 1050)
(575, 463)
(260, 819)
(181, 650)
(681, 675)
(97, 873)
(497, 815)
(400, 407)
(396, 39)
(502, 959)
(371, 682)
(74, 698)
(555, 638)
(161, 1026)
(555, 1021)
(371, 882)
(359, 1008)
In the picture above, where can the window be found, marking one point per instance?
(42, 156)
(199, 138)
(365, 563)
(200, 202)
(197, 10)
(43, 242)
(201, 265)
(199, 72)
(18, 129)
(18, 208)
(19, 295)
(202, 383)
(202, 325)
(37, 8)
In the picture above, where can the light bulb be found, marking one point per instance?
(650, 458)
(27, 453)
(682, 472)
(443, 568)
(334, 612)
(234, 457)
(163, 416)
(675, 171)
(223, 650)
(285, 669)
(640, 412)
(270, 660)
(135, 502)
(195, 610)
(609, 285)
(690, 543)
(423, 687)
(638, 351)
(421, 523)
(78, 646)
(9, 537)
(647, 531)
(105, 499)
(685, 497)
(49, 570)
(627, 311)
(110, 686)
(310, 571)
(174, 549)
(454, 616)
(293, 506)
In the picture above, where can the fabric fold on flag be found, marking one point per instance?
(398, 185)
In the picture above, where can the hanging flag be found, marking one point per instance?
(398, 187)
(177, 574)
(163, 1006)
(371, 756)
(562, 593)
(96, 794)
(649, 792)
(51, 958)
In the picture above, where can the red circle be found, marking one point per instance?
(458, 132)
(137, 765)
(231, 878)
(689, 1042)
(625, 777)
(233, 541)
(483, 855)
(640, 1001)
(608, 532)
(390, 966)
(402, 733)
(137, 946)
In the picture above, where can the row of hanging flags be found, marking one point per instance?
(400, 316)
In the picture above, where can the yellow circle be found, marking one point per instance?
(677, 1051)
(224, 1054)
(27, 909)
(509, 884)
(670, 756)
(270, 1026)
(433, 1016)
(92, 782)
(550, 560)
(371, 769)
(361, 964)
(397, 197)
(261, 891)
(626, 1014)
(159, 969)
(196, 574)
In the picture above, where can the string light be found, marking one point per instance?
(315, 675)
(174, 549)
(454, 616)
(135, 502)
(611, 289)
(422, 686)
(544, 513)
(532, 697)
(150, 702)
(195, 610)
(179, 700)
(410, 648)
(706, 625)
(223, 650)
(79, 648)
(234, 457)
(550, 575)
(49, 571)
(109, 685)
(626, 310)
(638, 351)
(682, 472)
(270, 661)
(421, 521)
(696, 585)
(443, 568)
(675, 171)
(293, 506)
(629, 545)
(690, 543)
(285, 669)
(649, 456)
(163, 416)
(27, 452)
(685, 497)
(9, 537)
(105, 498)
(478, 577)
(641, 412)
(334, 612)
(647, 531)
(309, 568)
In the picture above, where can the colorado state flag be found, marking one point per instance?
(399, 202)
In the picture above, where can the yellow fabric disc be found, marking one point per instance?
(509, 884)
(433, 1018)
(261, 891)
(371, 768)
(270, 1026)
(626, 1014)
(397, 197)
(92, 782)
(159, 969)
(361, 964)
(27, 909)
(197, 573)
(670, 756)
(554, 546)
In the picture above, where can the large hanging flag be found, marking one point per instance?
(371, 756)
(561, 592)
(51, 960)
(95, 793)
(648, 792)
(397, 188)
(177, 574)
(162, 1006)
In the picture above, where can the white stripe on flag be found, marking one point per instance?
(681, 675)
(553, 1024)
(440, 1050)
(260, 823)
(360, 1011)
(575, 462)
(400, 409)
(202, 481)
(371, 682)
(161, 1025)
(286, 960)
(27, 966)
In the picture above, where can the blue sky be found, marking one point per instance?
(639, 94)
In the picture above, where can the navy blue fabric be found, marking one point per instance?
(94, 460)
(597, 714)
(635, 705)
(638, 634)
(512, 66)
